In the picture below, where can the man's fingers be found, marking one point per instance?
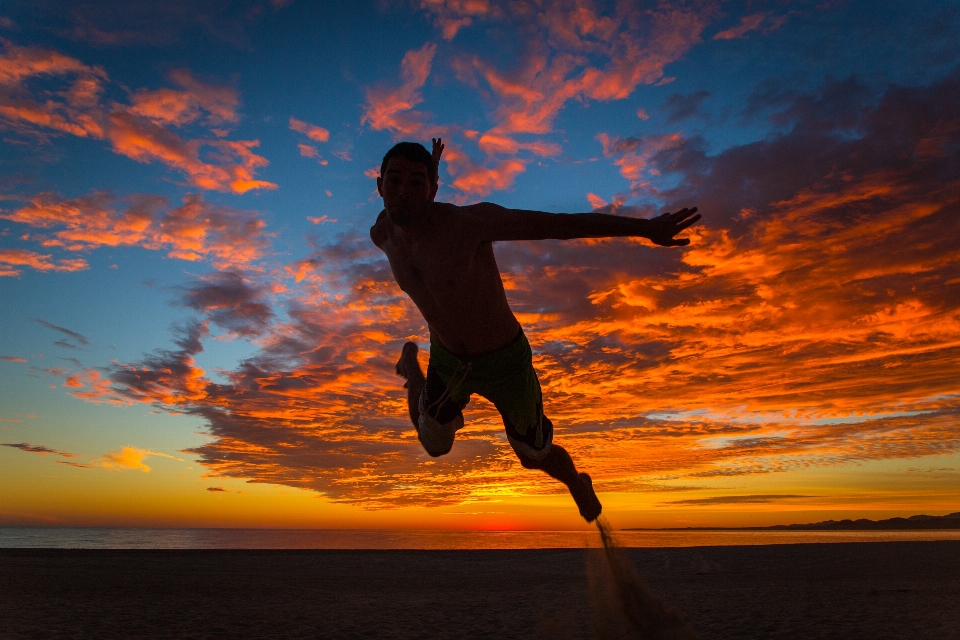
(689, 221)
(678, 215)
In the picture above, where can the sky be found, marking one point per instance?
(196, 330)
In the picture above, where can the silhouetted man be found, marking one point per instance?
(442, 257)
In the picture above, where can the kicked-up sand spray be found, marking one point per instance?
(623, 607)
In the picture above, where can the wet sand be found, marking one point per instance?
(836, 591)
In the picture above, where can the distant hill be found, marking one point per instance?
(949, 521)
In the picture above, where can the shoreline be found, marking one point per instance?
(346, 539)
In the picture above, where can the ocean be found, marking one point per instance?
(132, 538)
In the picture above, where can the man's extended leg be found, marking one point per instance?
(408, 367)
(558, 464)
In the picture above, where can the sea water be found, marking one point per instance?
(132, 538)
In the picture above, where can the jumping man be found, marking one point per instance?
(442, 256)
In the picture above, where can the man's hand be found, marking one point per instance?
(661, 229)
(437, 152)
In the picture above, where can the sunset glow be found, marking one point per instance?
(197, 330)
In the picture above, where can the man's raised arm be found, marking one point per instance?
(499, 223)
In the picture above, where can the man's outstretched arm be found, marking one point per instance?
(499, 223)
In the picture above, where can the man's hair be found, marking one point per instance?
(413, 151)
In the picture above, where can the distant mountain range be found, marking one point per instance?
(949, 521)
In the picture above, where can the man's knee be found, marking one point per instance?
(437, 439)
(527, 463)
(530, 457)
(436, 454)
(434, 451)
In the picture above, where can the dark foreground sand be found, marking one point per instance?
(837, 591)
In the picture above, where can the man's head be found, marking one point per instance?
(407, 182)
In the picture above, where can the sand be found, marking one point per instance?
(837, 591)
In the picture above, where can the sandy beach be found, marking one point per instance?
(855, 590)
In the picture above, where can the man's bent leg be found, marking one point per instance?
(409, 367)
(435, 416)
(558, 464)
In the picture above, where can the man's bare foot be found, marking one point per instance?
(586, 498)
(408, 363)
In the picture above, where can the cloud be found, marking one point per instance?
(12, 359)
(74, 464)
(230, 301)
(139, 130)
(483, 180)
(752, 22)
(452, 15)
(682, 106)
(391, 108)
(752, 499)
(635, 43)
(216, 489)
(219, 101)
(143, 141)
(104, 24)
(74, 113)
(201, 230)
(813, 322)
(12, 258)
(73, 335)
(312, 131)
(131, 458)
(170, 107)
(195, 230)
(634, 156)
(571, 51)
(308, 151)
(38, 449)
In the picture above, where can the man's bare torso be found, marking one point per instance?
(452, 277)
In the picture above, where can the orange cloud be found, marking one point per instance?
(596, 201)
(483, 180)
(75, 114)
(391, 108)
(813, 322)
(20, 63)
(165, 106)
(573, 53)
(12, 258)
(530, 98)
(453, 15)
(137, 131)
(315, 133)
(633, 156)
(219, 101)
(308, 151)
(144, 141)
(131, 458)
(170, 107)
(193, 231)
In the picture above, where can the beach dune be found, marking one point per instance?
(853, 590)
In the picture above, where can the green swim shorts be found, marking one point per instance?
(504, 377)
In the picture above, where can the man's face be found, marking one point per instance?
(406, 189)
